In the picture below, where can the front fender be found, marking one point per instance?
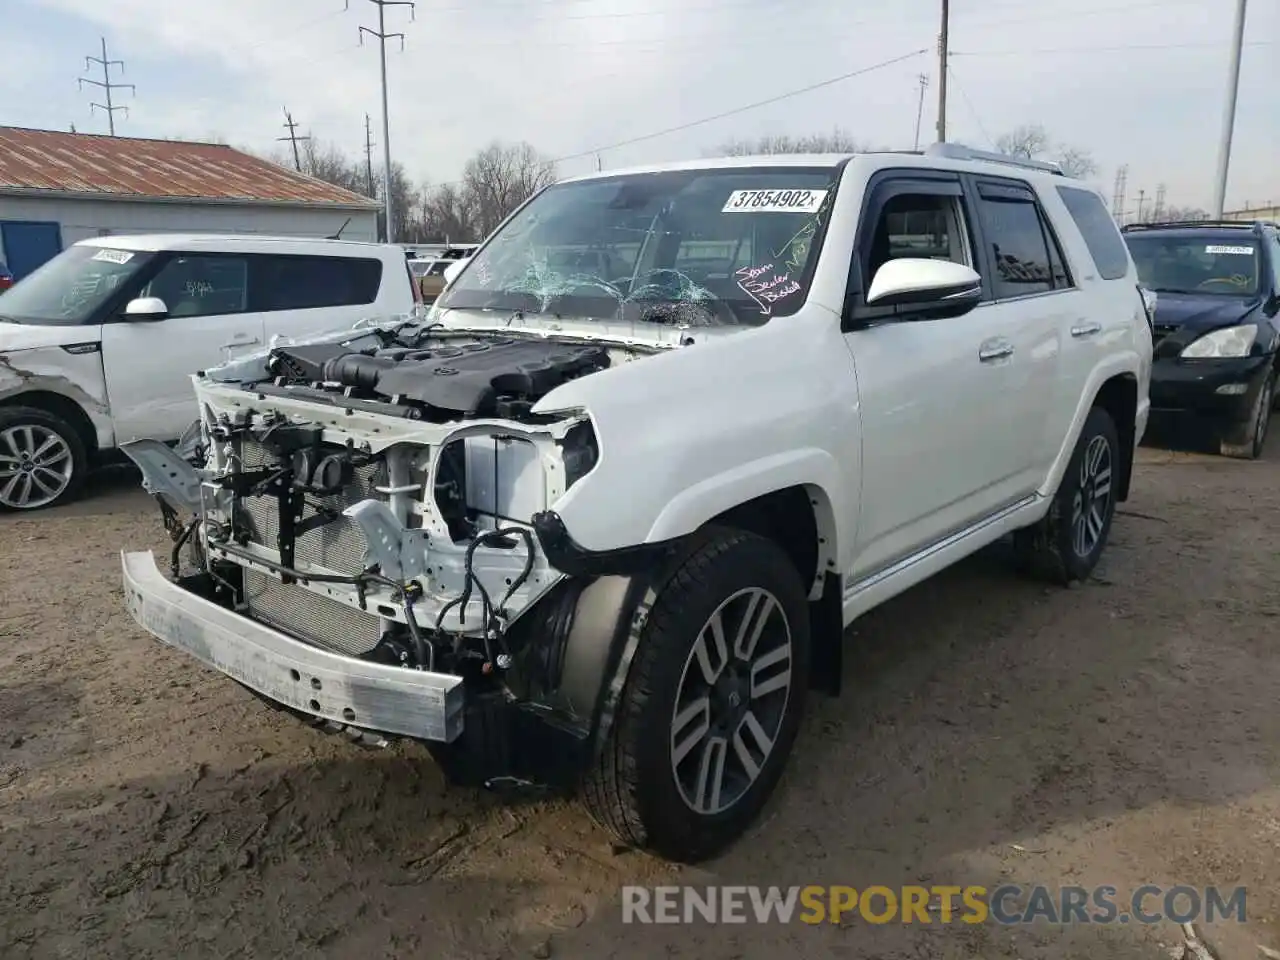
(813, 469)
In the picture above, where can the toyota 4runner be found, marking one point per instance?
(602, 518)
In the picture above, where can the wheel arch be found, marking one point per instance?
(62, 407)
(1114, 388)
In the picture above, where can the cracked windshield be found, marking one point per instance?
(710, 247)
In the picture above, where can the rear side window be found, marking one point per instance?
(1100, 233)
(306, 283)
(1023, 251)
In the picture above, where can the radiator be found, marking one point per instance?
(338, 546)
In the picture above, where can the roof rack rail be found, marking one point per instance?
(958, 151)
(1162, 224)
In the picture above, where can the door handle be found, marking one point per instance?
(1086, 329)
(242, 340)
(995, 350)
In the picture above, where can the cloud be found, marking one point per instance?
(572, 75)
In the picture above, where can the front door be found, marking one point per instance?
(149, 364)
(945, 414)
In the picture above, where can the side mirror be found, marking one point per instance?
(453, 269)
(146, 310)
(932, 288)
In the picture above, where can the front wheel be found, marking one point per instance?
(1247, 440)
(1068, 542)
(712, 704)
(42, 459)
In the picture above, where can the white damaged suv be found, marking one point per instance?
(601, 520)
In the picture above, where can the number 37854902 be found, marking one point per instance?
(774, 201)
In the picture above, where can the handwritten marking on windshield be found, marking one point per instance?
(765, 286)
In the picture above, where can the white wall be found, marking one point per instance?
(90, 218)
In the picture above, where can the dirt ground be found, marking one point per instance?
(992, 730)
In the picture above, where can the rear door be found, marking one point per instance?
(301, 296)
(1037, 309)
(149, 364)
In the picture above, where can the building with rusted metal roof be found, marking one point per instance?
(57, 188)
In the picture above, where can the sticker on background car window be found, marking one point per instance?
(774, 201)
(1231, 251)
(109, 255)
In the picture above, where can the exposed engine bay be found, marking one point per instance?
(376, 494)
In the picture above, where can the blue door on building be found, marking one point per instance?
(28, 244)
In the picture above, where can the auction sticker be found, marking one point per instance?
(111, 255)
(774, 201)
(1231, 251)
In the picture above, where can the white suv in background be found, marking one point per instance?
(99, 344)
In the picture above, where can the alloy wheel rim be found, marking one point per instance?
(1092, 498)
(731, 701)
(36, 466)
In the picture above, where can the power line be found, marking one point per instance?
(106, 85)
(743, 109)
(973, 112)
(383, 36)
(293, 138)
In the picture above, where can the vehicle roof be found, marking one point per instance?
(1251, 227)
(1011, 167)
(240, 243)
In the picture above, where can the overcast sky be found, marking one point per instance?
(1136, 82)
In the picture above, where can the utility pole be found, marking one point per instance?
(293, 138)
(942, 71)
(383, 37)
(106, 84)
(924, 83)
(1229, 114)
(368, 154)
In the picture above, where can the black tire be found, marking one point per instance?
(1245, 441)
(633, 791)
(1049, 549)
(46, 424)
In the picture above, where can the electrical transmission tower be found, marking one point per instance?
(293, 138)
(1158, 213)
(105, 83)
(382, 37)
(1118, 198)
(368, 154)
(923, 80)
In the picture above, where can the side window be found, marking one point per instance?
(306, 283)
(919, 225)
(201, 285)
(1275, 259)
(1100, 233)
(1016, 241)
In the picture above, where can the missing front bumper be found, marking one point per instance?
(369, 696)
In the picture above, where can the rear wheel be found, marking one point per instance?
(1246, 441)
(42, 459)
(712, 704)
(1067, 543)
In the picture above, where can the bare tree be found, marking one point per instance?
(501, 177)
(837, 141)
(1179, 214)
(447, 214)
(1032, 141)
